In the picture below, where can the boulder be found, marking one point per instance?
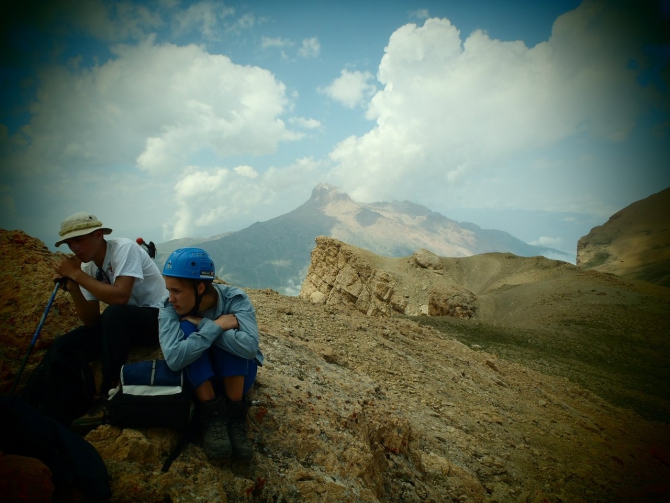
(427, 260)
(451, 300)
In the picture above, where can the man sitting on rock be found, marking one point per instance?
(118, 273)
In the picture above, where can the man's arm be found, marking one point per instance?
(88, 311)
(118, 293)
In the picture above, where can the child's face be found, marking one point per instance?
(182, 295)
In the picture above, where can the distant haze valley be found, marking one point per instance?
(276, 254)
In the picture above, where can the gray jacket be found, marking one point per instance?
(243, 342)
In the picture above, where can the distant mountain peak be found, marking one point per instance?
(324, 193)
(276, 254)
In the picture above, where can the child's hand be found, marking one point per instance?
(227, 321)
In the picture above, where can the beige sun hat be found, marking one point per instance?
(80, 224)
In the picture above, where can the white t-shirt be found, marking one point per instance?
(125, 258)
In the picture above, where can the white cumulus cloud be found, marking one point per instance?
(351, 89)
(207, 197)
(247, 171)
(155, 105)
(452, 107)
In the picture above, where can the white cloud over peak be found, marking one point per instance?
(155, 105)
(310, 48)
(209, 196)
(450, 108)
(351, 89)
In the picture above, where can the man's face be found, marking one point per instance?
(182, 295)
(86, 246)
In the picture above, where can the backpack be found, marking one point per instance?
(150, 395)
(62, 386)
(151, 249)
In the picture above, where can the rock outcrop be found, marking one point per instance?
(26, 284)
(350, 407)
(342, 274)
(634, 243)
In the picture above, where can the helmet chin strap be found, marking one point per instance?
(198, 297)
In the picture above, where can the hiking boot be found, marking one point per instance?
(92, 419)
(214, 427)
(237, 430)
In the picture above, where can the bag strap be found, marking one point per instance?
(187, 435)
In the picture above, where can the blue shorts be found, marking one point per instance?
(215, 362)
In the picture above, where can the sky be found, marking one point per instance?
(171, 119)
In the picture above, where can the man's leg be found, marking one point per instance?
(122, 328)
(62, 385)
(85, 339)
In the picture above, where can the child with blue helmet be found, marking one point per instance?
(210, 330)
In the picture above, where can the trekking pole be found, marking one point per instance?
(34, 340)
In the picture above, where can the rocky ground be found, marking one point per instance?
(603, 332)
(354, 407)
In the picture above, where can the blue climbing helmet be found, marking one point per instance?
(189, 263)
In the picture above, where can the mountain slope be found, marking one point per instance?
(354, 408)
(606, 333)
(163, 250)
(276, 253)
(634, 243)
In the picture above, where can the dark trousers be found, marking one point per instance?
(120, 327)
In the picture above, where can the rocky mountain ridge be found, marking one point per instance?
(354, 407)
(276, 253)
(634, 243)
